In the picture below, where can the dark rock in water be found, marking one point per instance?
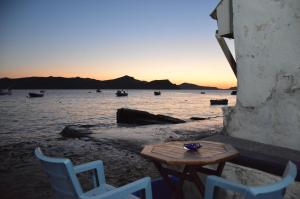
(87, 125)
(198, 118)
(75, 131)
(131, 116)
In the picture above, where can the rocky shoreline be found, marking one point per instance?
(22, 175)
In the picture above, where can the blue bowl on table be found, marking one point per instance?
(192, 146)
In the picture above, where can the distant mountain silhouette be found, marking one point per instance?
(125, 82)
(195, 87)
(49, 83)
(162, 84)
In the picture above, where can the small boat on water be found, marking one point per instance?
(98, 91)
(5, 92)
(31, 95)
(157, 93)
(121, 93)
(234, 92)
(202, 92)
(218, 101)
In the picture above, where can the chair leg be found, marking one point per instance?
(209, 191)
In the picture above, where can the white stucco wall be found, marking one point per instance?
(267, 45)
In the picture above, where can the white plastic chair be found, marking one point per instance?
(273, 191)
(62, 176)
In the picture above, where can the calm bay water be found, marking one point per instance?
(25, 118)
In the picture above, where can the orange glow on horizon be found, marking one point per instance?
(107, 45)
(204, 71)
(222, 83)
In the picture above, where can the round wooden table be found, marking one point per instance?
(173, 154)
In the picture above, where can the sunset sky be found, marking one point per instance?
(105, 39)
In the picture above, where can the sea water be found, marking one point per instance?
(24, 118)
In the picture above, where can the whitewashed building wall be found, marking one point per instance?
(267, 48)
(267, 45)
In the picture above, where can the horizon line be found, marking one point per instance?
(111, 79)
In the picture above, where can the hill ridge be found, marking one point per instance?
(123, 82)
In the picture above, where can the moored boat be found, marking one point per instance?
(202, 92)
(218, 101)
(121, 93)
(98, 91)
(7, 92)
(157, 93)
(35, 95)
(234, 92)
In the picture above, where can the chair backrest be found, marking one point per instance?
(61, 175)
(277, 190)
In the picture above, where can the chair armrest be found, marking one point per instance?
(214, 181)
(88, 166)
(97, 165)
(121, 192)
(279, 186)
(289, 176)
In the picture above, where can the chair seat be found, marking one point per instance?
(102, 189)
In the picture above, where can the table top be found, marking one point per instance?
(174, 153)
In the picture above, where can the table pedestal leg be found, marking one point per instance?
(189, 173)
(197, 181)
(175, 189)
(220, 169)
